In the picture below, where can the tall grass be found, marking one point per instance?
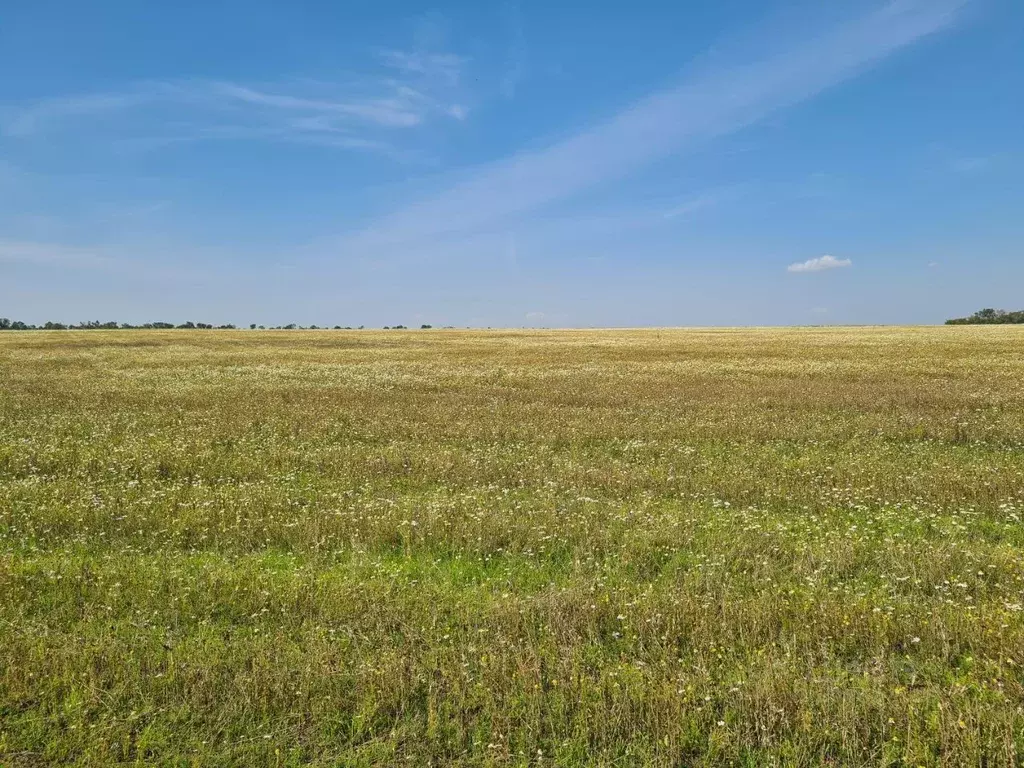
(616, 548)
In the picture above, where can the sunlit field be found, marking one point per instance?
(611, 548)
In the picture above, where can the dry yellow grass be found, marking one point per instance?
(658, 547)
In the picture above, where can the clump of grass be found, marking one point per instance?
(795, 547)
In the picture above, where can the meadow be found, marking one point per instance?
(512, 548)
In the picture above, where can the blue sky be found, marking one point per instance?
(511, 164)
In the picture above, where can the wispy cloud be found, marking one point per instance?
(403, 108)
(446, 66)
(25, 121)
(702, 107)
(945, 158)
(820, 264)
(365, 112)
(53, 255)
(982, 163)
(705, 200)
(157, 265)
(515, 67)
(970, 164)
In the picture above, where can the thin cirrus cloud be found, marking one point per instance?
(706, 200)
(52, 255)
(702, 107)
(66, 258)
(820, 264)
(362, 113)
(403, 107)
(23, 122)
(516, 65)
(446, 66)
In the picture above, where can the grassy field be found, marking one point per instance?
(616, 548)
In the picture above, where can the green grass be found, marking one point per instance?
(613, 548)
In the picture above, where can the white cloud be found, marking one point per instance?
(705, 200)
(120, 260)
(401, 109)
(515, 68)
(50, 254)
(819, 264)
(971, 164)
(458, 111)
(445, 66)
(364, 112)
(702, 107)
(25, 121)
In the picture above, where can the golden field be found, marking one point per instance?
(612, 548)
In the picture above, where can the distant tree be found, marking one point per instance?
(6, 324)
(990, 317)
(425, 327)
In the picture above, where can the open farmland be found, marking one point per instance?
(676, 547)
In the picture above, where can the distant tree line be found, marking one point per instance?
(990, 317)
(90, 325)
(96, 325)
